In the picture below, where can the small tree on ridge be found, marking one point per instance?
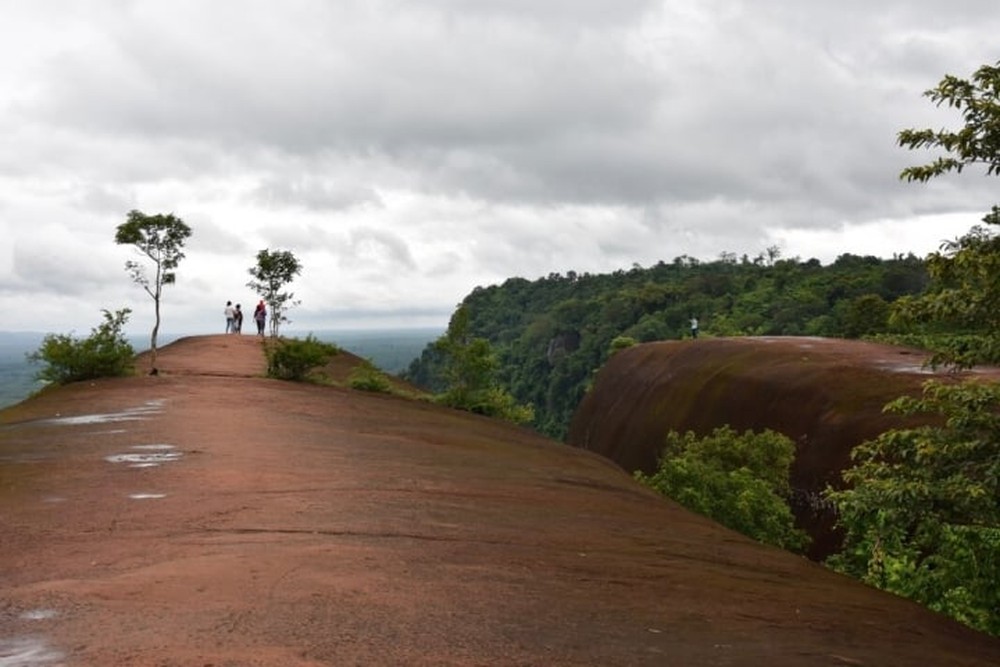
(161, 239)
(274, 270)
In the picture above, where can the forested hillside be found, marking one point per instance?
(551, 334)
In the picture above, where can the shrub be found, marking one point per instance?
(105, 353)
(293, 358)
(366, 377)
(741, 481)
(621, 343)
(920, 515)
(493, 402)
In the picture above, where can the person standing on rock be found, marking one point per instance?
(237, 320)
(694, 327)
(230, 316)
(260, 317)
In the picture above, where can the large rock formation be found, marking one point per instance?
(825, 394)
(210, 516)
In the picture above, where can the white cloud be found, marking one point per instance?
(408, 152)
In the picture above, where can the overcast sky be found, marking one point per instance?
(408, 151)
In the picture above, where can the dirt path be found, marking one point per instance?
(300, 525)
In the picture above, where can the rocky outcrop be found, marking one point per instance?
(827, 395)
(561, 345)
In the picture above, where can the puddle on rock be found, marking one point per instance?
(131, 414)
(147, 496)
(28, 652)
(39, 614)
(146, 456)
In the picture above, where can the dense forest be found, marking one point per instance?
(550, 335)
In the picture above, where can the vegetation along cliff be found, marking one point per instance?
(551, 335)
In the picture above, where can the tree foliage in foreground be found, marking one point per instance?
(272, 272)
(104, 353)
(739, 480)
(977, 99)
(921, 511)
(963, 304)
(960, 312)
(921, 514)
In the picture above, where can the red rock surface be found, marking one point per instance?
(825, 394)
(307, 525)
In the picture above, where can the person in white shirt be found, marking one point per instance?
(230, 316)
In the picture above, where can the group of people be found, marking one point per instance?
(234, 317)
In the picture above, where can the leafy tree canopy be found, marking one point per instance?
(921, 513)
(976, 142)
(160, 238)
(964, 299)
(961, 309)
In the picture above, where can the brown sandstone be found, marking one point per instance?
(302, 525)
(825, 394)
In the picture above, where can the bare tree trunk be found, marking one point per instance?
(152, 339)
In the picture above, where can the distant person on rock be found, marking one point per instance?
(230, 316)
(260, 317)
(694, 327)
(237, 320)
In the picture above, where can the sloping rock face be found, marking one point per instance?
(825, 394)
(210, 516)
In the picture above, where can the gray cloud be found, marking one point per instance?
(313, 193)
(376, 250)
(209, 236)
(63, 268)
(398, 147)
(616, 104)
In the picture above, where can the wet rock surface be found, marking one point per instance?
(307, 525)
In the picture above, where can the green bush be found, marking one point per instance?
(105, 353)
(741, 481)
(366, 377)
(921, 516)
(492, 402)
(294, 359)
(621, 343)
